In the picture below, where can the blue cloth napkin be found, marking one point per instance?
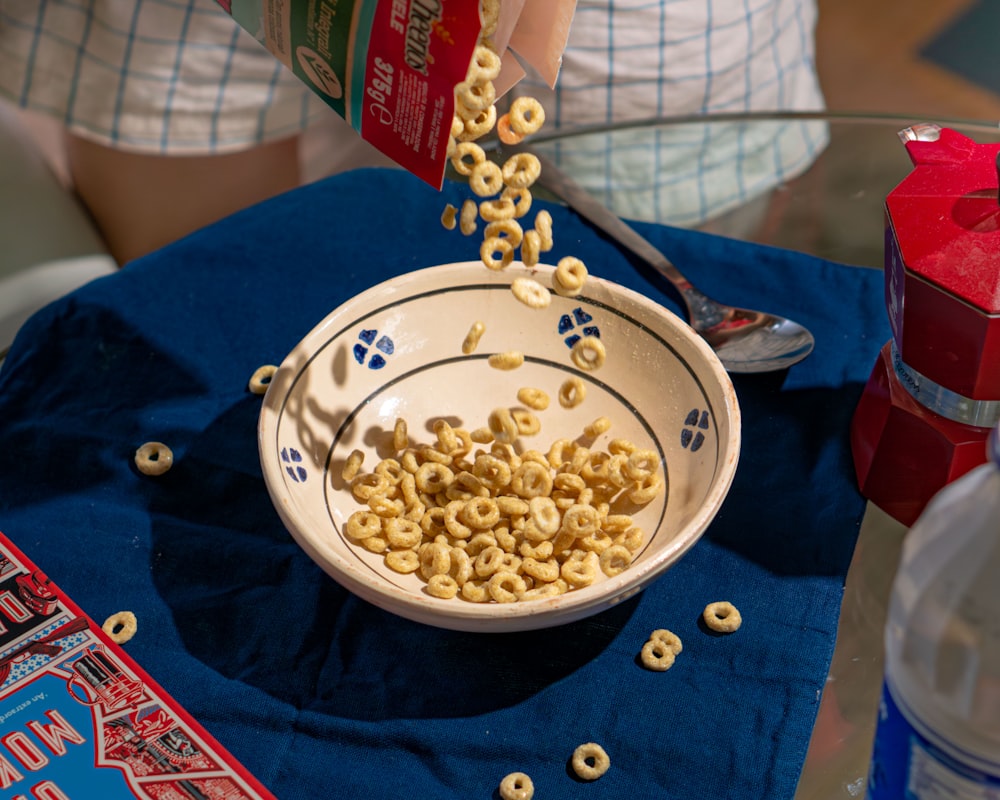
(323, 695)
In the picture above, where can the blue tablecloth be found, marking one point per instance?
(322, 695)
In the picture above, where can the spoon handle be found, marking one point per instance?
(588, 207)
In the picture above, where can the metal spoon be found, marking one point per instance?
(744, 340)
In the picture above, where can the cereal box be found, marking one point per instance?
(389, 67)
(79, 718)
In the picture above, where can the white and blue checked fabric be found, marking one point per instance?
(176, 77)
(641, 59)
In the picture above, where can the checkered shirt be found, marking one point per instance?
(642, 59)
(175, 77)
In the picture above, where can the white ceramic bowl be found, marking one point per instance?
(396, 351)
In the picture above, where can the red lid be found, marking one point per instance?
(946, 217)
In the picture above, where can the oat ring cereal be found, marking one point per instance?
(467, 217)
(521, 199)
(120, 627)
(261, 378)
(507, 228)
(506, 134)
(590, 761)
(476, 96)
(489, 14)
(569, 277)
(481, 124)
(511, 359)
(493, 247)
(486, 179)
(722, 617)
(572, 392)
(485, 65)
(531, 248)
(521, 170)
(497, 210)
(517, 786)
(472, 338)
(669, 638)
(526, 116)
(531, 292)
(589, 353)
(657, 655)
(468, 155)
(533, 398)
(154, 458)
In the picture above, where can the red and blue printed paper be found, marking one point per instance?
(79, 718)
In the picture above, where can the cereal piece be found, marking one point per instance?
(475, 592)
(261, 378)
(448, 217)
(531, 248)
(442, 586)
(531, 293)
(521, 198)
(502, 425)
(527, 423)
(669, 638)
(657, 655)
(590, 761)
(154, 458)
(722, 617)
(543, 224)
(493, 246)
(570, 276)
(352, 466)
(433, 477)
(467, 217)
(507, 228)
(545, 517)
(526, 116)
(517, 786)
(535, 399)
(363, 524)
(403, 533)
(588, 353)
(120, 627)
(475, 96)
(486, 179)
(572, 392)
(457, 125)
(482, 435)
(402, 561)
(400, 434)
(498, 209)
(507, 134)
(485, 65)
(506, 586)
(615, 559)
(597, 427)
(645, 491)
(489, 15)
(468, 156)
(521, 170)
(578, 573)
(479, 125)
(472, 338)
(481, 513)
(511, 359)
(531, 479)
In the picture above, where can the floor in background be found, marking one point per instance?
(968, 47)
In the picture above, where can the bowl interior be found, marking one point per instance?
(395, 351)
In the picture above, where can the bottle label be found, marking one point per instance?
(905, 764)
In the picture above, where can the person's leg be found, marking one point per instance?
(142, 202)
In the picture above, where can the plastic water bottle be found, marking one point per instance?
(938, 732)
